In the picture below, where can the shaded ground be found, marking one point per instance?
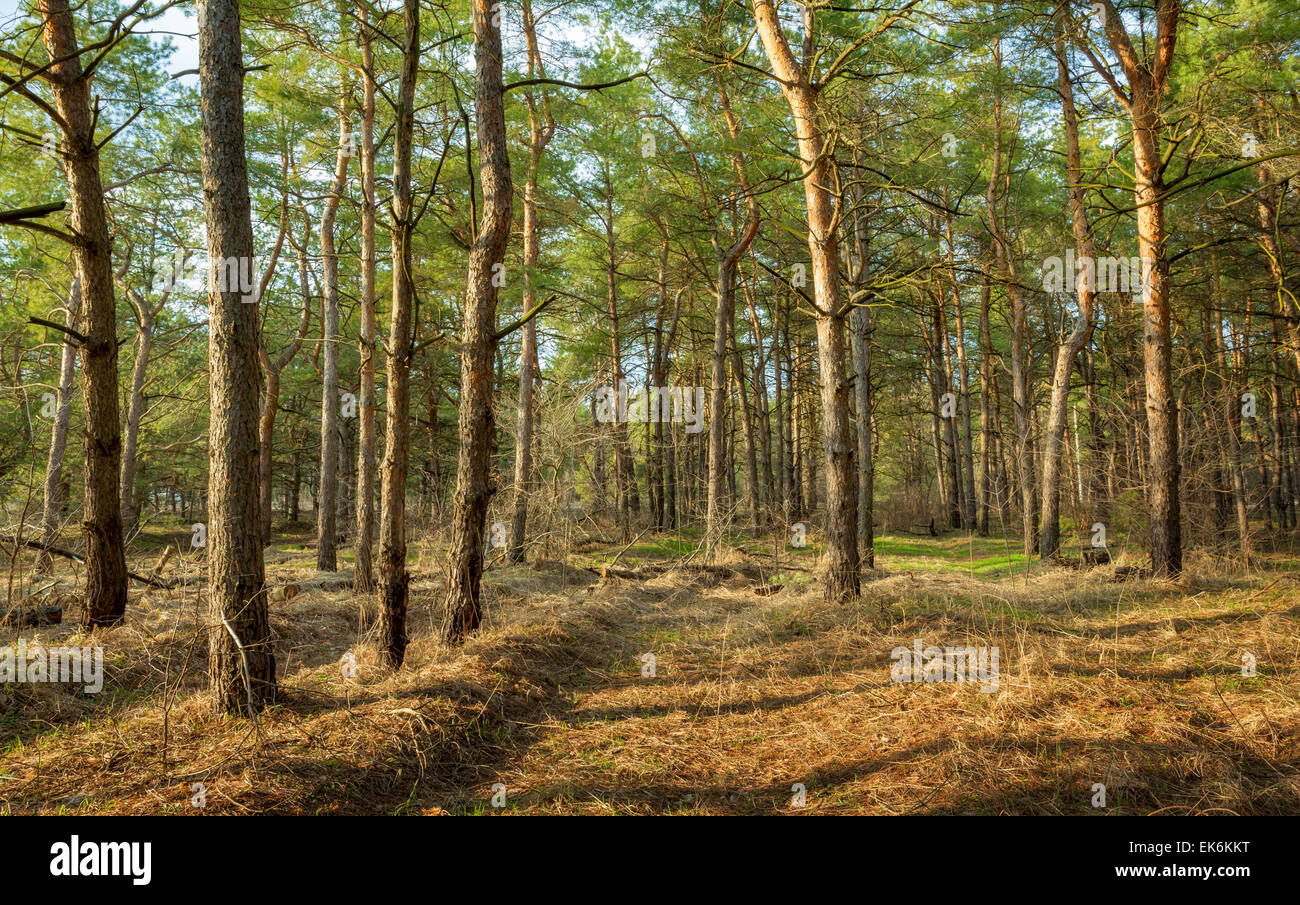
(757, 686)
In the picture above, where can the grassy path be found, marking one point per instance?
(758, 702)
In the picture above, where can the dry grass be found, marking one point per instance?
(1136, 684)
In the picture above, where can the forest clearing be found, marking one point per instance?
(758, 685)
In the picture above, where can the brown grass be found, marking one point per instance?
(1137, 685)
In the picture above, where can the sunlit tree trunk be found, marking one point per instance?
(105, 594)
(819, 182)
(474, 485)
(1086, 250)
(1146, 87)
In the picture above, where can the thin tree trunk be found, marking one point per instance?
(54, 496)
(393, 578)
(134, 414)
(326, 500)
(539, 135)
(963, 391)
(474, 485)
(617, 428)
(363, 574)
(272, 369)
(1050, 542)
(723, 327)
(860, 346)
(987, 378)
(1020, 351)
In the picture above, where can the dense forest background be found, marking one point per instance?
(423, 289)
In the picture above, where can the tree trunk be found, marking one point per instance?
(1050, 541)
(105, 596)
(241, 661)
(474, 486)
(393, 578)
(987, 377)
(1020, 351)
(1146, 81)
(963, 391)
(723, 327)
(805, 101)
(326, 499)
(273, 369)
(539, 135)
(134, 414)
(363, 573)
(617, 427)
(52, 510)
(860, 332)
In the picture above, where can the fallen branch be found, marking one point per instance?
(33, 616)
(751, 573)
(77, 557)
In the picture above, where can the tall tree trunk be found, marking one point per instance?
(539, 135)
(987, 378)
(105, 595)
(762, 408)
(1020, 351)
(1146, 80)
(657, 369)
(272, 369)
(617, 427)
(944, 365)
(783, 454)
(969, 502)
(241, 661)
(363, 574)
(326, 499)
(1230, 400)
(474, 486)
(145, 314)
(805, 101)
(1050, 541)
(751, 443)
(393, 578)
(929, 326)
(860, 347)
(723, 325)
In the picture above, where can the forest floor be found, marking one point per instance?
(759, 689)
